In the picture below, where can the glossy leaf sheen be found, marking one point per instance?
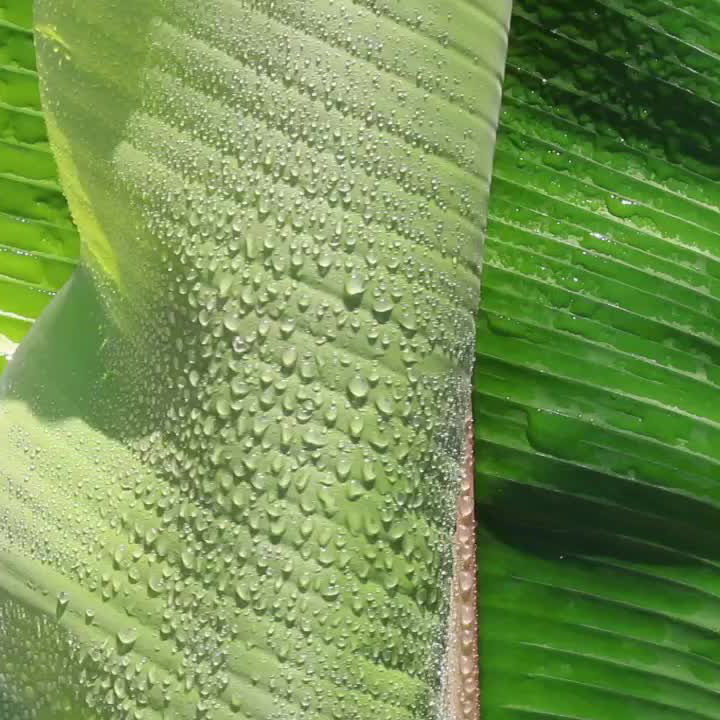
(598, 371)
(38, 244)
(233, 493)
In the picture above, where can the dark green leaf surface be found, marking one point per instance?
(597, 386)
(38, 243)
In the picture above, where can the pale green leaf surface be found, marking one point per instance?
(597, 385)
(233, 493)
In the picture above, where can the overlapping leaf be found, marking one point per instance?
(233, 493)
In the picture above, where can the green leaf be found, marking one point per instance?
(598, 368)
(234, 438)
(38, 243)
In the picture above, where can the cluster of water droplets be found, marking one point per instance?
(303, 189)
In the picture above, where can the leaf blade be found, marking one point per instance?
(261, 189)
(596, 369)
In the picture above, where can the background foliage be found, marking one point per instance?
(598, 368)
(38, 243)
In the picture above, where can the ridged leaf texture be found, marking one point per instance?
(38, 244)
(234, 439)
(598, 368)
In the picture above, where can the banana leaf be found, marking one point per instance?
(593, 390)
(596, 388)
(38, 244)
(232, 443)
